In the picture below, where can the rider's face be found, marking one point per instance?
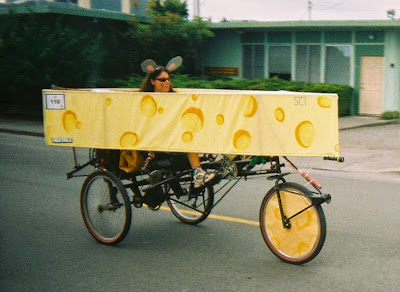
(162, 83)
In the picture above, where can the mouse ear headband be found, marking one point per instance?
(149, 66)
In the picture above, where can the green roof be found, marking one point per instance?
(312, 24)
(68, 9)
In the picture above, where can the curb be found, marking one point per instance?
(388, 122)
(26, 133)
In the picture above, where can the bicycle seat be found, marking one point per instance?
(170, 160)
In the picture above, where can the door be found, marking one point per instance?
(371, 90)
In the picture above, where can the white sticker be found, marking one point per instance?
(55, 101)
(61, 140)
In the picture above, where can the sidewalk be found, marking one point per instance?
(21, 126)
(353, 122)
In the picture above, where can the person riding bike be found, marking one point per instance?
(158, 79)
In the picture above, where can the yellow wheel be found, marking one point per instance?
(303, 239)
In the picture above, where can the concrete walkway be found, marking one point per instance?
(354, 122)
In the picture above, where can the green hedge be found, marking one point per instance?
(390, 115)
(37, 51)
(344, 92)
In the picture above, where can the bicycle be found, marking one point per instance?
(292, 221)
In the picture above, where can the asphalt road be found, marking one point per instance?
(44, 245)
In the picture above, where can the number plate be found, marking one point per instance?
(55, 101)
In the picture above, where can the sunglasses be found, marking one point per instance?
(163, 79)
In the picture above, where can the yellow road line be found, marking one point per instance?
(218, 217)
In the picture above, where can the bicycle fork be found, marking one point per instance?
(285, 221)
(315, 200)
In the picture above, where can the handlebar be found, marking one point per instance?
(338, 159)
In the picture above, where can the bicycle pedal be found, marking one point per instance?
(153, 208)
(137, 202)
(215, 180)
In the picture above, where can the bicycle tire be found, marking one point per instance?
(303, 241)
(201, 204)
(105, 207)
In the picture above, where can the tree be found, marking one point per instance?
(167, 34)
(162, 8)
(37, 51)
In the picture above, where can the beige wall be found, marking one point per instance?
(126, 6)
(392, 71)
(85, 3)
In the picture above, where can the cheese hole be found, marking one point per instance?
(187, 137)
(304, 221)
(192, 120)
(249, 104)
(305, 134)
(128, 139)
(279, 115)
(69, 120)
(324, 102)
(148, 106)
(241, 140)
(220, 119)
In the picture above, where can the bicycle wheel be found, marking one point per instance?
(105, 207)
(191, 208)
(304, 239)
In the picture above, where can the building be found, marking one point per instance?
(362, 54)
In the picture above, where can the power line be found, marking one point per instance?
(331, 5)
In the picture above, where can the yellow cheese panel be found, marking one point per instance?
(194, 120)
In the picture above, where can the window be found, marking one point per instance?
(308, 63)
(68, 1)
(253, 61)
(338, 64)
(280, 62)
(107, 5)
(252, 37)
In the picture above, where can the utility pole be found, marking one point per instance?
(309, 9)
(391, 13)
(196, 7)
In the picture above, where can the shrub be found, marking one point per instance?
(344, 92)
(390, 115)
